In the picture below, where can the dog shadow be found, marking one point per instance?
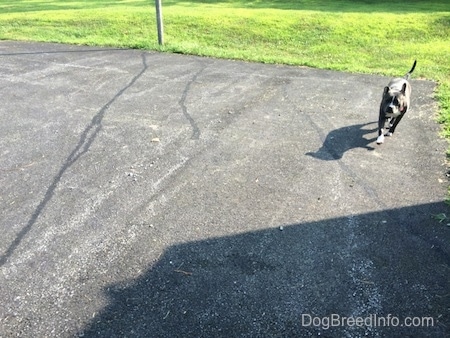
(338, 141)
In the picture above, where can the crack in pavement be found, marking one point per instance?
(182, 102)
(87, 138)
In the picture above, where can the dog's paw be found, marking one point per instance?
(380, 139)
(389, 134)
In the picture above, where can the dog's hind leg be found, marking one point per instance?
(393, 125)
(391, 121)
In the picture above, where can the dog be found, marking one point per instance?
(394, 104)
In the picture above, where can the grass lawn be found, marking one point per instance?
(366, 36)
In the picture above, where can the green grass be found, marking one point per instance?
(365, 36)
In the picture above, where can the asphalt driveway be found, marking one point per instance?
(158, 195)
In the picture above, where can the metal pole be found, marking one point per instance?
(159, 22)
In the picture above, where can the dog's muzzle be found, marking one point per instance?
(392, 110)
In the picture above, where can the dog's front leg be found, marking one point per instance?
(381, 123)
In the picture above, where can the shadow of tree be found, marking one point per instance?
(362, 6)
(13, 6)
(338, 141)
(260, 284)
(354, 6)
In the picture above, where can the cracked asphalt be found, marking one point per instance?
(158, 195)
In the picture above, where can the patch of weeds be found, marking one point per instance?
(441, 218)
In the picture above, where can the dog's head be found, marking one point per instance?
(394, 102)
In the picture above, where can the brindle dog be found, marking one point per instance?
(395, 103)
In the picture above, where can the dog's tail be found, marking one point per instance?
(408, 75)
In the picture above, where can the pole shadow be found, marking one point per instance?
(341, 140)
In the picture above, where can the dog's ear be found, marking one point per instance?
(404, 88)
(386, 89)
